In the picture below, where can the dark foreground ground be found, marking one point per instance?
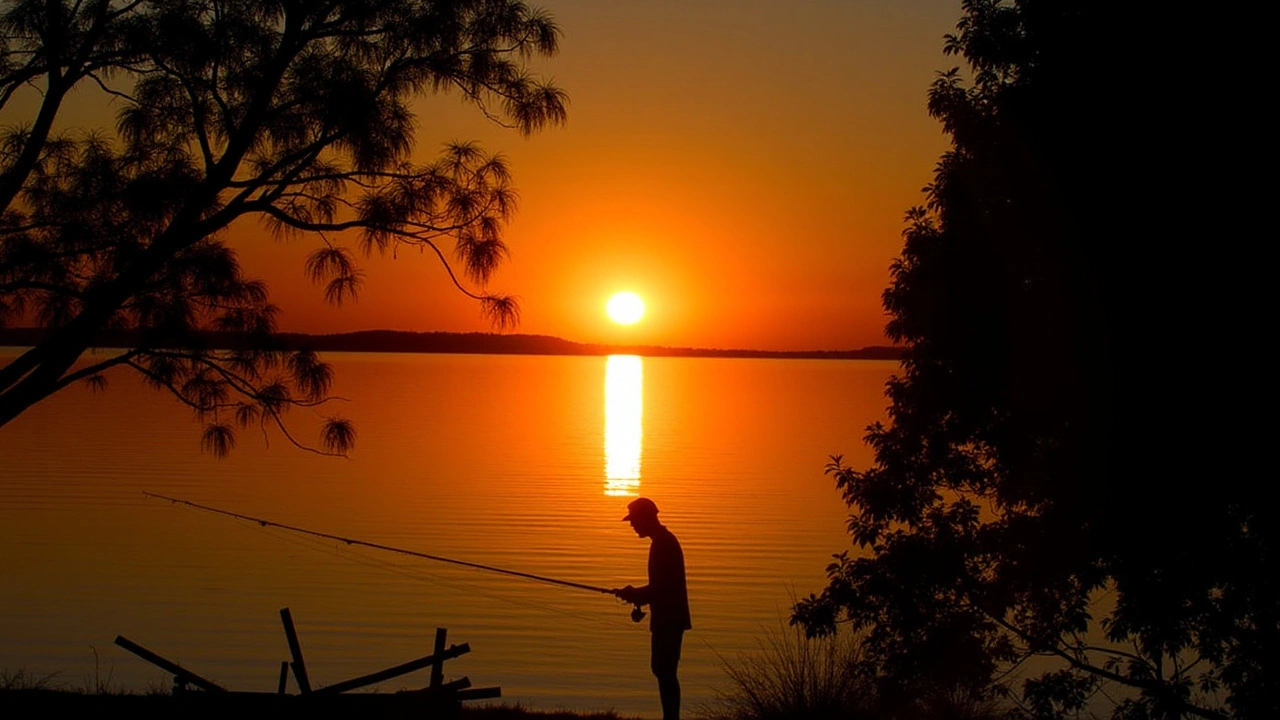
(44, 703)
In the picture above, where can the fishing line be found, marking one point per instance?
(350, 554)
(472, 589)
(377, 546)
(418, 574)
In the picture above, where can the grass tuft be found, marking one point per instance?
(23, 679)
(793, 677)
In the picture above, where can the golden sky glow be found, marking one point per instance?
(742, 165)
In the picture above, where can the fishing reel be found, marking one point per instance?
(625, 595)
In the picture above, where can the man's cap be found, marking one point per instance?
(641, 507)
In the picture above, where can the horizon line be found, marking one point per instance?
(498, 343)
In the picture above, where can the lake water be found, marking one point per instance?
(519, 462)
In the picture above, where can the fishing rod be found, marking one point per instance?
(636, 614)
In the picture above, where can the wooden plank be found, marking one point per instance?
(445, 690)
(284, 677)
(397, 671)
(180, 673)
(295, 650)
(452, 686)
(484, 693)
(437, 668)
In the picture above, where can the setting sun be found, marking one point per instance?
(625, 308)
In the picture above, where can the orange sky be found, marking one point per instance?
(743, 165)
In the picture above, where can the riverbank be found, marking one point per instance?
(46, 702)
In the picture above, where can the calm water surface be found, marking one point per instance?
(520, 462)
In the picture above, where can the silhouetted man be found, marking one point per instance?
(667, 597)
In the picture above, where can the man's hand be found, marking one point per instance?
(627, 594)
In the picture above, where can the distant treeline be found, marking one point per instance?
(466, 343)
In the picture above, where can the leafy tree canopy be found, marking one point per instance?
(1060, 503)
(293, 112)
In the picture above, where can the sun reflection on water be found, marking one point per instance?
(623, 429)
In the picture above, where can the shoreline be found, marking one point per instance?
(199, 705)
(397, 341)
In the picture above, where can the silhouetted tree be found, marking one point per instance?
(293, 112)
(1060, 495)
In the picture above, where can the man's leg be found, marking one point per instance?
(664, 659)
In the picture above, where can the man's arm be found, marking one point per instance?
(634, 595)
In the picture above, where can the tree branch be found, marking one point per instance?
(121, 359)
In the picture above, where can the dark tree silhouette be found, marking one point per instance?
(293, 112)
(1057, 505)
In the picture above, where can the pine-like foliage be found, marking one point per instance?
(296, 113)
(1055, 509)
